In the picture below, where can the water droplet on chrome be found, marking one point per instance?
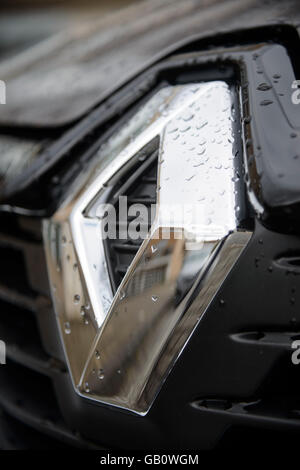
(97, 354)
(67, 328)
(266, 102)
(201, 125)
(187, 116)
(264, 87)
(172, 130)
(82, 311)
(122, 295)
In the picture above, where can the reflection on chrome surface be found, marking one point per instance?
(153, 316)
(120, 349)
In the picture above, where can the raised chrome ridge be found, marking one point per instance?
(120, 349)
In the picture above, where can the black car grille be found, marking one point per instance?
(29, 412)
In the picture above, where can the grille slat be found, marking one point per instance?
(19, 330)
(16, 298)
(125, 247)
(139, 185)
(14, 435)
(142, 200)
(121, 269)
(30, 398)
(34, 359)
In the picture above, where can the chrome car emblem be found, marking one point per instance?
(120, 348)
